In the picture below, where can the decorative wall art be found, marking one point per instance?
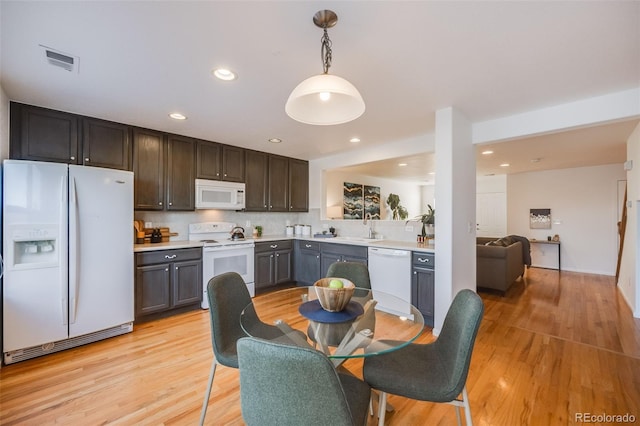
(359, 199)
(540, 218)
(352, 201)
(372, 201)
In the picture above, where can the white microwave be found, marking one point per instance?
(214, 194)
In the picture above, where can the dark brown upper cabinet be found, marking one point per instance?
(278, 183)
(256, 181)
(298, 185)
(106, 144)
(181, 159)
(233, 163)
(220, 162)
(164, 170)
(148, 169)
(275, 183)
(208, 160)
(42, 134)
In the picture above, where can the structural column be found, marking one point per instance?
(455, 199)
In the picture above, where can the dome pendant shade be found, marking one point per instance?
(344, 104)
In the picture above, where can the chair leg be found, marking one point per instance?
(207, 393)
(458, 415)
(371, 405)
(467, 406)
(382, 408)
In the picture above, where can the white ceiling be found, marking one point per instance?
(139, 61)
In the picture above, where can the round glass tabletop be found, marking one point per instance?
(371, 324)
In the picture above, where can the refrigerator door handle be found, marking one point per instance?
(64, 272)
(74, 262)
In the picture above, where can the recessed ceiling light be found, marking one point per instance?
(224, 74)
(487, 152)
(504, 165)
(402, 164)
(354, 140)
(432, 173)
(536, 160)
(275, 140)
(177, 116)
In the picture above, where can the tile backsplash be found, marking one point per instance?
(274, 223)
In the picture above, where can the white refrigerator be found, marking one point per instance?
(68, 256)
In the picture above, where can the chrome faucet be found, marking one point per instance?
(371, 233)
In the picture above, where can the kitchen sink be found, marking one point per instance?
(358, 239)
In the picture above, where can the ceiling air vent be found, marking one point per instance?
(59, 59)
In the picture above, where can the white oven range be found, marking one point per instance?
(221, 254)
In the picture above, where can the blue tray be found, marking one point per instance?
(313, 310)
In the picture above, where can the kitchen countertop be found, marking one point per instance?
(355, 241)
(165, 246)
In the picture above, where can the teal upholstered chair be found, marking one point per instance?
(228, 296)
(437, 371)
(358, 274)
(290, 385)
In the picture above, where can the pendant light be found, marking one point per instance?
(325, 99)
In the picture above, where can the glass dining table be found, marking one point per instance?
(373, 322)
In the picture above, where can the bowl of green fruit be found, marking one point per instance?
(334, 293)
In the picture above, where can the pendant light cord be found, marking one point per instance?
(325, 51)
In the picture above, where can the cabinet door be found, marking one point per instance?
(298, 185)
(307, 266)
(152, 289)
(232, 164)
(42, 134)
(422, 292)
(187, 283)
(278, 183)
(148, 169)
(180, 173)
(208, 160)
(264, 270)
(282, 261)
(256, 181)
(106, 144)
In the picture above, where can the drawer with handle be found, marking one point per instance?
(164, 256)
(273, 245)
(425, 260)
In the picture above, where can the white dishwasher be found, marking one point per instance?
(390, 273)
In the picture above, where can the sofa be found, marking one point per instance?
(501, 261)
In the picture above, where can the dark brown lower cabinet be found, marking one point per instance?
(423, 285)
(273, 263)
(167, 280)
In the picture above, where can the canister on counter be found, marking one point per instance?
(288, 230)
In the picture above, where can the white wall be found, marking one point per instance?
(629, 280)
(410, 195)
(583, 203)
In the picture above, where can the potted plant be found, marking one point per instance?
(259, 230)
(399, 212)
(428, 220)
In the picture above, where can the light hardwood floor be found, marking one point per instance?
(558, 344)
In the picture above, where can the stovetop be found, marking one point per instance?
(215, 234)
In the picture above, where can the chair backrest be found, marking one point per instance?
(228, 296)
(457, 338)
(356, 272)
(289, 385)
